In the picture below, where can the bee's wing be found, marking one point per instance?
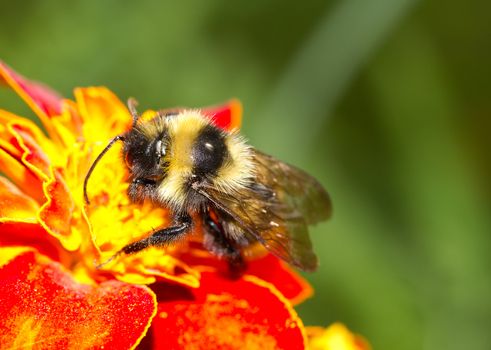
(295, 187)
(277, 208)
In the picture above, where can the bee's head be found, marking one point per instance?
(145, 156)
(170, 156)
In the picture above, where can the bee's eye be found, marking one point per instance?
(209, 151)
(160, 149)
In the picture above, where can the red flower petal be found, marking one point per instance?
(268, 267)
(44, 101)
(227, 116)
(223, 314)
(29, 234)
(289, 283)
(43, 307)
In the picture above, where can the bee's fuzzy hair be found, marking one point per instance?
(235, 173)
(238, 170)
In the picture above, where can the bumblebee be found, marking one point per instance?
(182, 161)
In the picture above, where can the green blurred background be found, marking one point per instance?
(386, 102)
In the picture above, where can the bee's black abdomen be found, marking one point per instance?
(209, 151)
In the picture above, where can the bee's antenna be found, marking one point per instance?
(101, 265)
(132, 104)
(92, 167)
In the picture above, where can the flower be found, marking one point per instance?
(335, 337)
(53, 295)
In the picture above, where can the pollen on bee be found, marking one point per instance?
(274, 223)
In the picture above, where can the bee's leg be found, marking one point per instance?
(217, 243)
(183, 224)
(236, 263)
(161, 237)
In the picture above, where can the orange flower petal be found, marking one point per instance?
(56, 215)
(43, 307)
(23, 155)
(56, 153)
(14, 204)
(56, 212)
(155, 264)
(13, 125)
(6, 137)
(104, 116)
(223, 314)
(66, 127)
(33, 156)
(58, 116)
(23, 177)
(40, 98)
(227, 116)
(115, 223)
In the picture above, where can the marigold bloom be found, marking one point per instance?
(53, 296)
(335, 337)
